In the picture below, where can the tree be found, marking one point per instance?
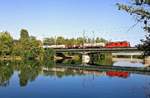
(33, 42)
(89, 40)
(141, 10)
(17, 48)
(70, 42)
(80, 41)
(6, 40)
(98, 40)
(24, 34)
(49, 41)
(30, 45)
(24, 39)
(60, 40)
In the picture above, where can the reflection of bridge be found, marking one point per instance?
(104, 50)
(97, 70)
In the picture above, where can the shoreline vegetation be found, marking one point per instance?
(29, 48)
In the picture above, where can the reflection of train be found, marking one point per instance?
(117, 74)
(72, 71)
(120, 44)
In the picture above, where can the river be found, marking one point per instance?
(33, 80)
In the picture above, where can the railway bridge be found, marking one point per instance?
(129, 51)
(119, 51)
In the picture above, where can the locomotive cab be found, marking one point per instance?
(121, 44)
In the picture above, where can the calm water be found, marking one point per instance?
(34, 81)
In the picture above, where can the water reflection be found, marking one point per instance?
(36, 76)
(6, 72)
(128, 64)
(28, 71)
(63, 72)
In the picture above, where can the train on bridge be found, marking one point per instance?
(119, 44)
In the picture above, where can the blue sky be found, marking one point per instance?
(68, 18)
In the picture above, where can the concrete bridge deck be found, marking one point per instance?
(90, 50)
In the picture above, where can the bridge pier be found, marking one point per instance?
(85, 58)
(131, 57)
(147, 61)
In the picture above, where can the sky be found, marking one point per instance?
(69, 18)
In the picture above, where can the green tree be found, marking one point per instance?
(71, 42)
(33, 42)
(140, 10)
(24, 39)
(6, 43)
(49, 41)
(30, 45)
(89, 40)
(80, 40)
(16, 48)
(98, 40)
(60, 40)
(24, 34)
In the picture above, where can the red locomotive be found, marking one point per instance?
(117, 44)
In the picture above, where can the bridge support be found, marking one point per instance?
(147, 61)
(85, 58)
(131, 57)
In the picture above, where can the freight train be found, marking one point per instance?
(120, 44)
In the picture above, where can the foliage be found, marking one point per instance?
(49, 54)
(24, 34)
(72, 41)
(6, 41)
(6, 73)
(98, 40)
(101, 59)
(29, 48)
(60, 40)
(49, 41)
(140, 9)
